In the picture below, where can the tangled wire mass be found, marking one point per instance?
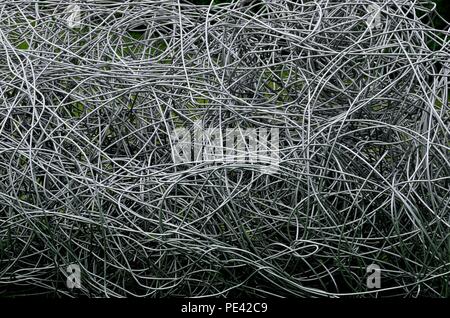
(89, 97)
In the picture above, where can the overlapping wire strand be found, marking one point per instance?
(86, 169)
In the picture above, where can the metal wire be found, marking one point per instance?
(91, 90)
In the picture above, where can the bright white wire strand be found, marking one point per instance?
(88, 102)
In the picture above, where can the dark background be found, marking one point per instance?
(443, 7)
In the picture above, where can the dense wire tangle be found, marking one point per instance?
(87, 107)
